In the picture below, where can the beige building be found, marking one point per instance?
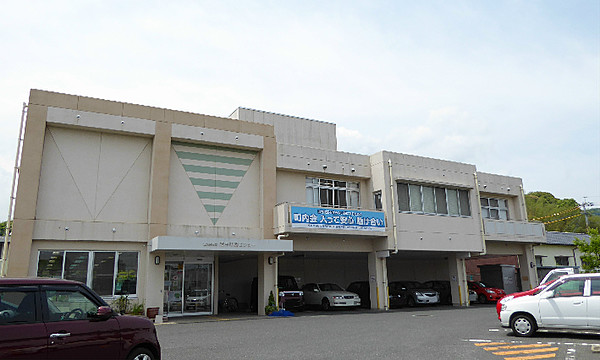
(178, 209)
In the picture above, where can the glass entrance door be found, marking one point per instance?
(188, 288)
(198, 288)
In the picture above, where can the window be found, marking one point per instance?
(335, 193)
(109, 273)
(595, 287)
(570, 288)
(377, 199)
(539, 260)
(433, 200)
(494, 208)
(562, 260)
(17, 306)
(69, 305)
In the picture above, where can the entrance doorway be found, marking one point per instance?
(188, 288)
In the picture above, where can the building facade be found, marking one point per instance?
(181, 210)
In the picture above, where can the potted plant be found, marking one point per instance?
(271, 307)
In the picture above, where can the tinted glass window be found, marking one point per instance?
(17, 307)
(126, 279)
(595, 287)
(403, 197)
(50, 264)
(104, 268)
(76, 266)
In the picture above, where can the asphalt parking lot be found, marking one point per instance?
(438, 332)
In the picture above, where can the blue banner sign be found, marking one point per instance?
(327, 218)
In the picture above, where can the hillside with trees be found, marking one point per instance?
(559, 214)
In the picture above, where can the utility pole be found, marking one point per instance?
(584, 204)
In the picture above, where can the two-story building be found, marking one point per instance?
(179, 209)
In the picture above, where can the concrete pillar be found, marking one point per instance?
(267, 273)
(529, 278)
(19, 251)
(378, 282)
(157, 213)
(458, 279)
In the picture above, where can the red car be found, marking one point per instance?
(519, 294)
(484, 293)
(62, 319)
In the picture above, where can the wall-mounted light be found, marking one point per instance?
(157, 260)
(237, 137)
(353, 170)
(122, 122)
(324, 166)
(507, 189)
(271, 260)
(114, 230)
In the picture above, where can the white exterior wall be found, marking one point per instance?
(293, 130)
(421, 231)
(550, 251)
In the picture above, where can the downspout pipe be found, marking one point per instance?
(394, 224)
(482, 228)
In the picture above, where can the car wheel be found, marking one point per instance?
(411, 302)
(141, 354)
(523, 325)
(325, 304)
(481, 299)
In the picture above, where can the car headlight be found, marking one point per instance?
(506, 298)
(418, 293)
(337, 297)
(489, 291)
(281, 293)
(503, 308)
(301, 293)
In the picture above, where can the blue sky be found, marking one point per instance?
(510, 86)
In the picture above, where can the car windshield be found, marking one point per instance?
(413, 285)
(330, 287)
(198, 293)
(287, 284)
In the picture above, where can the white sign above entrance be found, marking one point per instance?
(212, 244)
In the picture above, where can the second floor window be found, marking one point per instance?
(417, 198)
(494, 208)
(335, 193)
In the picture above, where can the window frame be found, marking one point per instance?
(500, 207)
(334, 189)
(407, 194)
(90, 268)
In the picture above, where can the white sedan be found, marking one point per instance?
(328, 295)
(572, 302)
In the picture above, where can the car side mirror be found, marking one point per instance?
(103, 313)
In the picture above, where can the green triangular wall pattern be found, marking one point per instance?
(215, 172)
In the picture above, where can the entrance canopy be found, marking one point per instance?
(216, 244)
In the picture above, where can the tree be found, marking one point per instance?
(3, 228)
(590, 252)
(563, 215)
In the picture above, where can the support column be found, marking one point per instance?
(458, 279)
(378, 282)
(267, 274)
(19, 251)
(158, 212)
(529, 278)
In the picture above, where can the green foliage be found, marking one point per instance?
(3, 228)
(271, 306)
(124, 305)
(545, 207)
(137, 308)
(121, 304)
(590, 252)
